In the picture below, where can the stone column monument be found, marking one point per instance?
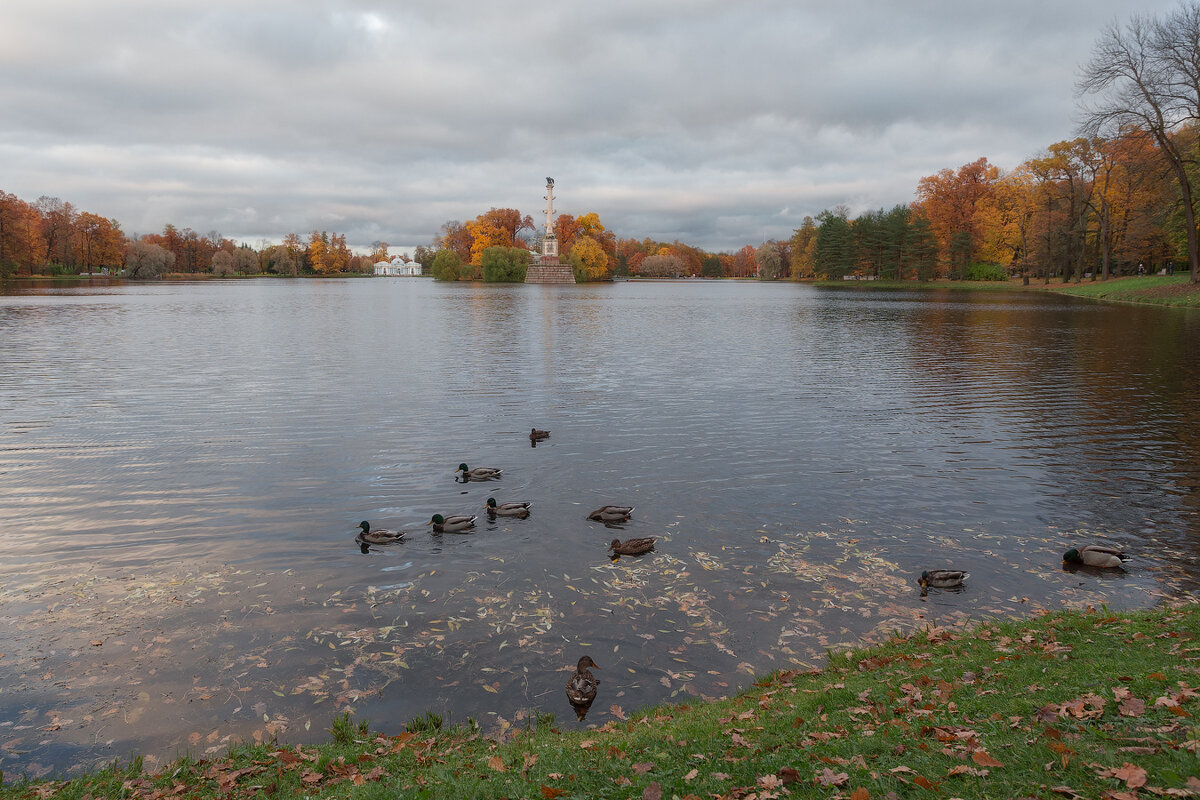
(547, 268)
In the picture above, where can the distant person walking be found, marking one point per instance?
(1141, 268)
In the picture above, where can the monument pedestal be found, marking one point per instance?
(548, 269)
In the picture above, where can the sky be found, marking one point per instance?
(718, 123)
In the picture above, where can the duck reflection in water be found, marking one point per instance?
(581, 687)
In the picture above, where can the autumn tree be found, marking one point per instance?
(57, 228)
(144, 260)
(952, 201)
(222, 264)
(455, 237)
(245, 260)
(566, 229)
(21, 244)
(588, 259)
(662, 266)
(101, 242)
(804, 245)
(1147, 75)
(770, 262)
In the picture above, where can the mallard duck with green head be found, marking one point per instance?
(611, 514)
(377, 536)
(511, 509)
(1095, 555)
(478, 473)
(631, 547)
(942, 579)
(455, 523)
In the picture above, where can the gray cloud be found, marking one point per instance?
(718, 123)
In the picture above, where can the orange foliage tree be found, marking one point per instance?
(952, 201)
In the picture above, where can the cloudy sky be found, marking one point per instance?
(716, 122)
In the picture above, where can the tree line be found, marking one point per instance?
(1120, 197)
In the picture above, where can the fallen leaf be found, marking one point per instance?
(788, 775)
(641, 768)
(691, 775)
(982, 758)
(496, 763)
(652, 792)
(829, 778)
(1132, 707)
(549, 792)
(860, 794)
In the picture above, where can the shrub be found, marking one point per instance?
(984, 271)
(447, 266)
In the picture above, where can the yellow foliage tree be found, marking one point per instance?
(589, 258)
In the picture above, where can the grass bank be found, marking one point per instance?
(1164, 290)
(1069, 705)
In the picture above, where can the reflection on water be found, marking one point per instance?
(182, 467)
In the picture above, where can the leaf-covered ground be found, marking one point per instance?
(1070, 705)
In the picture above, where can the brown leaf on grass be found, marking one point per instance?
(982, 758)
(860, 794)
(830, 778)
(1132, 707)
(641, 768)
(963, 769)
(617, 712)
(691, 776)
(769, 782)
(496, 763)
(1048, 713)
(788, 775)
(1133, 775)
(530, 760)
(652, 792)
(738, 739)
(549, 792)
(924, 783)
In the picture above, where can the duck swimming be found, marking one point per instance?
(942, 579)
(631, 547)
(479, 473)
(377, 536)
(455, 523)
(536, 435)
(513, 509)
(1095, 555)
(611, 513)
(582, 685)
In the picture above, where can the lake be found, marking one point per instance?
(183, 467)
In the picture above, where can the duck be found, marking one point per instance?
(631, 547)
(611, 513)
(513, 509)
(582, 685)
(451, 524)
(536, 435)
(479, 473)
(942, 578)
(377, 536)
(1095, 555)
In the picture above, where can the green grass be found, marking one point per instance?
(1173, 290)
(1075, 702)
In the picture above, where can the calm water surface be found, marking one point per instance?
(182, 467)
